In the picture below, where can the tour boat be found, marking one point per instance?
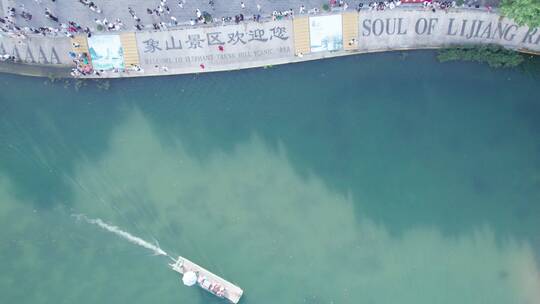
(194, 274)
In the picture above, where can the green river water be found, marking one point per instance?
(384, 178)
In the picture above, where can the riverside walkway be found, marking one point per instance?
(249, 44)
(74, 10)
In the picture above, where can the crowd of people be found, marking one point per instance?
(214, 287)
(382, 5)
(9, 26)
(391, 4)
(435, 5)
(91, 5)
(83, 68)
(162, 17)
(82, 64)
(7, 57)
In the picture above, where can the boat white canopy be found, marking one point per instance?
(189, 278)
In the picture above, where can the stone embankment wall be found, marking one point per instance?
(251, 44)
(421, 29)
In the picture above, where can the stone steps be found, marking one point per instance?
(350, 30)
(130, 50)
(301, 35)
(82, 41)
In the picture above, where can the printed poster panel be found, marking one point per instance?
(106, 52)
(221, 46)
(325, 33)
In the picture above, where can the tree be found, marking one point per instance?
(524, 12)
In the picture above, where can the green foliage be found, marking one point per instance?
(524, 12)
(326, 7)
(531, 66)
(460, 2)
(494, 55)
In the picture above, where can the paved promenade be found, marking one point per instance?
(73, 10)
(198, 49)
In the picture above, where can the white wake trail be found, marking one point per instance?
(123, 234)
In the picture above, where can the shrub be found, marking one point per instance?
(495, 56)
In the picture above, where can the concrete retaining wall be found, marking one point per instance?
(251, 44)
(418, 28)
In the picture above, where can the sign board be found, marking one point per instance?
(399, 29)
(106, 52)
(219, 46)
(326, 33)
(38, 50)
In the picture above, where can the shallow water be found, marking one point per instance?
(368, 179)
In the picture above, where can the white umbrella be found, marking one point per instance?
(189, 278)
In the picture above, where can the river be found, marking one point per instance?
(379, 178)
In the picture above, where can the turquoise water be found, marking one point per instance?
(380, 178)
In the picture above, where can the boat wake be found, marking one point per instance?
(123, 234)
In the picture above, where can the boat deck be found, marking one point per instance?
(232, 293)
